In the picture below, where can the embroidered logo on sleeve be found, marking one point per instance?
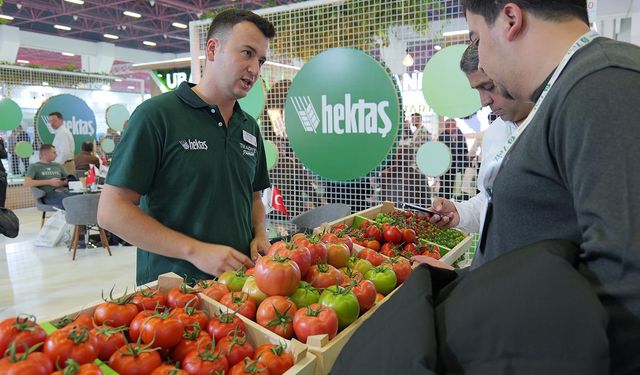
(194, 145)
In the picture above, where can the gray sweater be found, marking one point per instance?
(574, 175)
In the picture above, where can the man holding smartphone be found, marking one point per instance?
(49, 176)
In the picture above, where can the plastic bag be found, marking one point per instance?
(53, 230)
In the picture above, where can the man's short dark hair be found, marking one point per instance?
(57, 114)
(45, 147)
(551, 10)
(86, 146)
(470, 61)
(224, 21)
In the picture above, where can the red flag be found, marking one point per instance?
(91, 178)
(277, 202)
(103, 160)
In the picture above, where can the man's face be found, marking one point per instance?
(491, 95)
(416, 120)
(49, 155)
(238, 58)
(55, 122)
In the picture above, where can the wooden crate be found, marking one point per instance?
(304, 362)
(387, 207)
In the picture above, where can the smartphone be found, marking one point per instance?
(419, 208)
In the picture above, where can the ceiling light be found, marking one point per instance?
(407, 60)
(45, 83)
(79, 2)
(68, 54)
(5, 17)
(132, 14)
(118, 80)
(179, 25)
(20, 61)
(454, 33)
(18, 5)
(111, 36)
(62, 27)
(150, 44)
(131, 87)
(437, 47)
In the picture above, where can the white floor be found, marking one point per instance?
(45, 282)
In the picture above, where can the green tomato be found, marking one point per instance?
(360, 265)
(305, 295)
(344, 302)
(383, 278)
(251, 288)
(234, 280)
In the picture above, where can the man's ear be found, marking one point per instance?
(514, 20)
(213, 45)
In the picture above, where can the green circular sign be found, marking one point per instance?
(116, 115)
(77, 116)
(24, 149)
(271, 152)
(253, 103)
(10, 113)
(342, 114)
(107, 145)
(446, 88)
(433, 158)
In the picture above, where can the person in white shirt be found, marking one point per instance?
(467, 215)
(63, 142)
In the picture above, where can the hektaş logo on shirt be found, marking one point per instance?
(194, 144)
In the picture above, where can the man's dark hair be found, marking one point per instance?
(551, 10)
(57, 114)
(86, 146)
(46, 146)
(224, 21)
(470, 61)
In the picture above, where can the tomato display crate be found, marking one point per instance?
(304, 362)
(387, 207)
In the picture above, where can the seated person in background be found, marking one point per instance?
(86, 157)
(48, 176)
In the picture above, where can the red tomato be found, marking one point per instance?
(115, 312)
(22, 330)
(162, 330)
(323, 275)
(133, 359)
(365, 291)
(28, 362)
(318, 250)
(274, 357)
(241, 303)
(205, 362)
(193, 338)
(408, 235)
(401, 266)
(339, 228)
(248, 367)
(235, 347)
(347, 240)
(276, 314)
(277, 276)
(315, 319)
(393, 234)
(329, 237)
(178, 297)
(136, 324)
(350, 275)
(297, 253)
(190, 315)
(73, 368)
(80, 320)
(148, 298)
(220, 325)
(78, 344)
(338, 254)
(390, 249)
(109, 340)
(372, 244)
(299, 238)
(276, 246)
(373, 232)
(432, 253)
(375, 258)
(213, 289)
(168, 370)
(409, 250)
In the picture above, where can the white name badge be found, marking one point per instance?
(249, 138)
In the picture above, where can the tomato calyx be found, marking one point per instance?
(187, 289)
(313, 312)
(251, 366)
(25, 322)
(192, 331)
(107, 331)
(122, 300)
(323, 267)
(239, 338)
(12, 351)
(135, 350)
(280, 259)
(71, 367)
(208, 353)
(147, 291)
(226, 317)
(281, 319)
(279, 349)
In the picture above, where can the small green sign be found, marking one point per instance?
(107, 145)
(10, 114)
(253, 103)
(433, 158)
(116, 115)
(271, 152)
(77, 117)
(24, 149)
(342, 114)
(446, 88)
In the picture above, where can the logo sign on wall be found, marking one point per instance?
(342, 114)
(172, 78)
(77, 116)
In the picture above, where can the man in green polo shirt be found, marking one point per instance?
(49, 176)
(185, 181)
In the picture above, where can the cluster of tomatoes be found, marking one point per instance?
(143, 333)
(310, 285)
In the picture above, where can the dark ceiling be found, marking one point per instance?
(91, 20)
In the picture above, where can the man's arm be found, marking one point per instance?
(260, 243)
(30, 182)
(118, 212)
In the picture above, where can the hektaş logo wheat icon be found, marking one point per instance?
(342, 114)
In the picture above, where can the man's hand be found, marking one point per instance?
(216, 259)
(57, 182)
(447, 216)
(423, 259)
(259, 246)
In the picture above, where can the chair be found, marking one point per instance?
(314, 217)
(38, 195)
(83, 210)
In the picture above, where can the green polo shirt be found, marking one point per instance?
(45, 171)
(196, 175)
